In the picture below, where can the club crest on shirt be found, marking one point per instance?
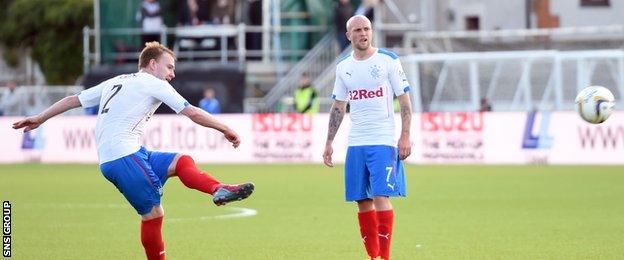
(375, 71)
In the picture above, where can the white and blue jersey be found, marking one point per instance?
(370, 86)
(126, 103)
(372, 165)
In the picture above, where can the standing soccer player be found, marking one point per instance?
(127, 102)
(368, 79)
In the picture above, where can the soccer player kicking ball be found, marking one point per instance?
(126, 103)
(368, 79)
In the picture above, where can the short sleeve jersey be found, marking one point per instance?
(126, 104)
(370, 86)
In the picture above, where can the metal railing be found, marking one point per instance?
(31, 100)
(508, 39)
(314, 63)
(511, 81)
(92, 53)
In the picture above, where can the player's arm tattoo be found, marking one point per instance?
(335, 119)
(406, 114)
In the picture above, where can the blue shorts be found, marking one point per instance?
(373, 170)
(139, 177)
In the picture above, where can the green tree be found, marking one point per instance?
(51, 29)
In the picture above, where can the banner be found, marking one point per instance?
(536, 137)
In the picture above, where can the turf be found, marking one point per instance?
(452, 212)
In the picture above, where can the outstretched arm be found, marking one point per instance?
(201, 117)
(336, 114)
(59, 107)
(405, 145)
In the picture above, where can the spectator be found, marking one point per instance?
(485, 105)
(222, 12)
(367, 8)
(187, 13)
(11, 104)
(342, 12)
(209, 103)
(150, 17)
(306, 100)
(254, 12)
(204, 8)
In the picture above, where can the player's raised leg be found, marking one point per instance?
(185, 168)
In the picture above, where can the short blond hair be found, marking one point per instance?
(153, 50)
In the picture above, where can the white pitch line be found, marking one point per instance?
(238, 213)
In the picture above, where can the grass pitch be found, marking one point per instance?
(451, 212)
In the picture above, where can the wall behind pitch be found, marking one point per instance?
(438, 138)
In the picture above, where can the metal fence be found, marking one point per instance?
(92, 51)
(31, 100)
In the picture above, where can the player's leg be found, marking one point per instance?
(385, 221)
(367, 219)
(151, 233)
(387, 180)
(357, 189)
(185, 168)
(135, 179)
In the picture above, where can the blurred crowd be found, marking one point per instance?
(220, 12)
(200, 12)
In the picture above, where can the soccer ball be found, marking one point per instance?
(595, 104)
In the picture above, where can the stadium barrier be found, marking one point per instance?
(438, 138)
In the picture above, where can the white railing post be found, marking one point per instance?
(242, 48)
(474, 84)
(621, 73)
(558, 74)
(415, 81)
(85, 49)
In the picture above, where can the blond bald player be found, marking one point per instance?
(368, 79)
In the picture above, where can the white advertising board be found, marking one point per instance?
(438, 138)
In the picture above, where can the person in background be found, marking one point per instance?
(306, 100)
(10, 104)
(150, 17)
(485, 105)
(342, 12)
(367, 8)
(254, 13)
(187, 13)
(222, 12)
(209, 103)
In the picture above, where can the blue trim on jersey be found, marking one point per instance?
(333, 97)
(389, 53)
(186, 103)
(342, 58)
(407, 89)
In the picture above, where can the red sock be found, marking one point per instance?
(151, 238)
(386, 219)
(193, 178)
(368, 230)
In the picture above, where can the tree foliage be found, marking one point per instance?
(51, 29)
